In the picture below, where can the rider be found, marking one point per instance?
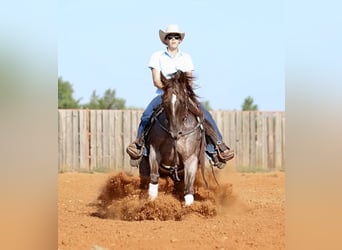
(167, 62)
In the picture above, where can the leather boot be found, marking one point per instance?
(216, 161)
(134, 150)
(224, 153)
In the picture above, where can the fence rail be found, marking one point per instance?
(97, 139)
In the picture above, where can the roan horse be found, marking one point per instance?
(176, 138)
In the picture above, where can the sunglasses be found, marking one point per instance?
(170, 37)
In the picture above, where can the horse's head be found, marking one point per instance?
(177, 91)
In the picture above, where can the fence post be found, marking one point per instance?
(87, 139)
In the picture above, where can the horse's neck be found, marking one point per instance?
(194, 107)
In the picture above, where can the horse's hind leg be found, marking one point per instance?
(154, 175)
(190, 169)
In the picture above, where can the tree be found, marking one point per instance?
(108, 101)
(94, 101)
(65, 98)
(248, 104)
(206, 105)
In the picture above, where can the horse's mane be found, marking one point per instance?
(181, 81)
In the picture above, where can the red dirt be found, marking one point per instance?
(111, 211)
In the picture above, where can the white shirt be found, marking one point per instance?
(164, 62)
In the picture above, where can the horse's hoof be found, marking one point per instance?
(153, 191)
(189, 199)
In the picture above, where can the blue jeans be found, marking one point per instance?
(156, 101)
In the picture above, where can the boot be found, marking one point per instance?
(219, 161)
(134, 150)
(216, 161)
(224, 153)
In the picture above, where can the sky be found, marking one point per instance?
(237, 48)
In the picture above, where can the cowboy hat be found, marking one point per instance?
(171, 29)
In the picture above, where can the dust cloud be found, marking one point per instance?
(125, 197)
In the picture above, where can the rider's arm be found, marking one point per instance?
(156, 78)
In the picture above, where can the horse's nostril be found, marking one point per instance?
(180, 133)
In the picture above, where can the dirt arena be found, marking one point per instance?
(101, 211)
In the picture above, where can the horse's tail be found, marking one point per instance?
(202, 158)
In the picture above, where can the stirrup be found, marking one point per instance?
(134, 152)
(225, 155)
(224, 152)
(216, 162)
(220, 146)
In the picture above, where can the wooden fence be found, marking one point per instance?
(91, 140)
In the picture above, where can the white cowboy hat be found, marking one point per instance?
(172, 28)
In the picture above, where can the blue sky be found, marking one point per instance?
(237, 48)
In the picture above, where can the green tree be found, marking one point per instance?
(65, 98)
(248, 104)
(206, 105)
(108, 101)
(94, 101)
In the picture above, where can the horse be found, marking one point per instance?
(176, 139)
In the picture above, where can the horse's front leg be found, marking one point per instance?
(190, 169)
(154, 174)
